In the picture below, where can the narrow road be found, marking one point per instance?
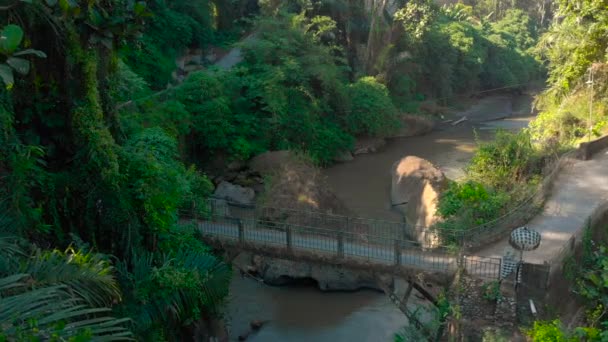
(577, 192)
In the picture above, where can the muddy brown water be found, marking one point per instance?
(305, 314)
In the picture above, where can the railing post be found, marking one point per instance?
(461, 262)
(499, 269)
(397, 252)
(340, 244)
(288, 241)
(241, 231)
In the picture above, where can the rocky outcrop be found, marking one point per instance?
(415, 190)
(294, 183)
(280, 272)
(234, 193)
(269, 162)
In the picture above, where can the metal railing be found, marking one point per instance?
(378, 241)
(331, 236)
(483, 267)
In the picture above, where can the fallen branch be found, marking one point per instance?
(464, 118)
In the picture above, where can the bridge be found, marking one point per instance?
(333, 239)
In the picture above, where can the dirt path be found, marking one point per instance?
(578, 191)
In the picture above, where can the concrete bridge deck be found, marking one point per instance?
(339, 247)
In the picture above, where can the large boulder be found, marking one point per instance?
(294, 182)
(269, 162)
(234, 193)
(415, 190)
(297, 193)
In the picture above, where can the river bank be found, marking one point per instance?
(302, 313)
(364, 183)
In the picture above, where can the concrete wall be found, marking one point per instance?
(588, 149)
(550, 283)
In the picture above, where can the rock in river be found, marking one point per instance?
(280, 272)
(415, 190)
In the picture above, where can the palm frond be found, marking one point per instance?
(87, 275)
(53, 311)
(11, 250)
(10, 254)
(215, 273)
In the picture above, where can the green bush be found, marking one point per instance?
(507, 160)
(292, 89)
(549, 332)
(327, 142)
(372, 111)
(167, 293)
(126, 85)
(467, 205)
(159, 182)
(404, 94)
(501, 174)
(567, 121)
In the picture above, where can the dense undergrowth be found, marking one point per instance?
(501, 176)
(98, 155)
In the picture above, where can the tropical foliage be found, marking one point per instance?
(451, 53)
(73, 175)
(102, 142)
(53, 295)
(574, 50)
(501, 175)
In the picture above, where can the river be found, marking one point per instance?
(304, 313)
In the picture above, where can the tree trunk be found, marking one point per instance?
(376, 32)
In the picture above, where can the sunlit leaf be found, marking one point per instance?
(10, 38)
